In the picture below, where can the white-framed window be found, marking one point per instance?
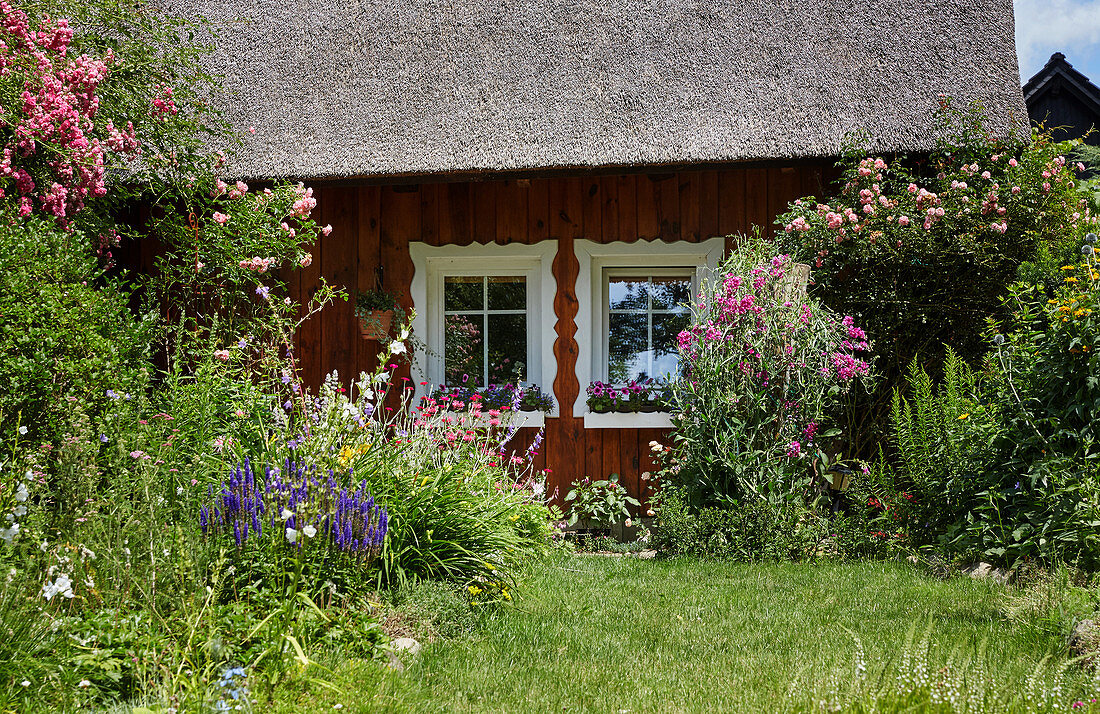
(631, 297)
(485, 313)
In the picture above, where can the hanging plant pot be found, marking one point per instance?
(375, 324)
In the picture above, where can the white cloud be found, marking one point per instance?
(1047, 26)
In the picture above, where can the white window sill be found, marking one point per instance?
(629, 420)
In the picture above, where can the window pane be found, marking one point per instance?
(665, 355)
(461, 292)
(463, 352)
(670, 293)
(507, 348)
(627, 344)
(628, 293)
(507, 293)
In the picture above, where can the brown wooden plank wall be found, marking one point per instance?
(373, 226)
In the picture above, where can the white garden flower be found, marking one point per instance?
(21, 493)
(84, 684)
(291, 535)
(397, 347)
(287, 513)
(20, 511)
(22, 430)
(25, 683)
(8, 534)
(63, 586)
(310, 531)
(538, 489)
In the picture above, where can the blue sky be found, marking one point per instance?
(1071, 27)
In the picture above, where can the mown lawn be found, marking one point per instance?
(592, 634)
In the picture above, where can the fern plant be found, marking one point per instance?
(942, 433)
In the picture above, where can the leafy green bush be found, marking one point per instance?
(756, 531)
(1003, 466)
(599, 504)
(67, 334)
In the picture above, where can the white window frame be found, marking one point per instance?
(594, 259)
(431, 264)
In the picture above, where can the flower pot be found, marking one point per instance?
(625, 409)
(375, 325)
(650, 408)
(600, 409)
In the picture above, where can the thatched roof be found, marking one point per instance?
(345, 88)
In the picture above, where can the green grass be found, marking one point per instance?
(592, 634)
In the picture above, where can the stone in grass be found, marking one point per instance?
(406, 644)
(988, 571)
(401, 644)
(1084, 640)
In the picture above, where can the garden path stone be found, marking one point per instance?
(406, 644)
(989, 571)
(1084, 639)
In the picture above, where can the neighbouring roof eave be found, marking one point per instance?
(1057, 68)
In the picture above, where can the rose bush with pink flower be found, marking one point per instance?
(936, 241)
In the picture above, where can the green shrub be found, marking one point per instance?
(1002, 466)
(67, 335)
(599, 504)
(757, 531)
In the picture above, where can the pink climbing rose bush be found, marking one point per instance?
(920, 248)
(56, 151)
(763, 363)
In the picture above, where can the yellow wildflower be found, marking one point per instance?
(1069, 267)
(1052, 302)
(965, 416)
(1071, 279)
(346, 453)
(1079, 313)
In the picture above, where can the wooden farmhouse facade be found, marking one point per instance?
(517, 164)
